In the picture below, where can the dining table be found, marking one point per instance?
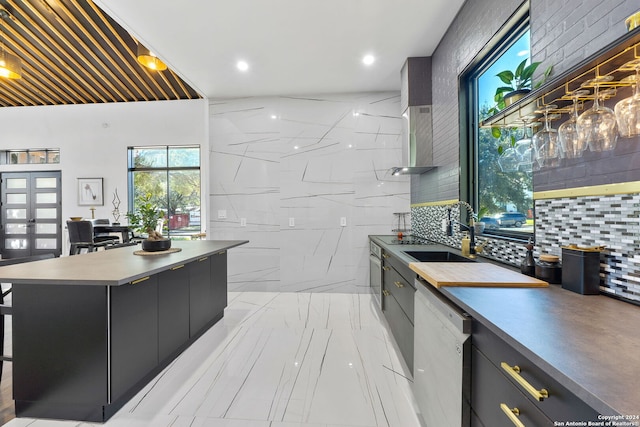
(124, 230)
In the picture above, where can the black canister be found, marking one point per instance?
(581, 270)
(548, 269)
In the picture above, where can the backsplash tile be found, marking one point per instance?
(610, 221)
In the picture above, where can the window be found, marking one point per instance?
(30, 156)
(500, 180)
(171, 174)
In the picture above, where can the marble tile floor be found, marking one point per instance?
(279, 360)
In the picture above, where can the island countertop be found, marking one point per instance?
(112, 267)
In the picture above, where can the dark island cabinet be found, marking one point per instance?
(219, 281)
(173, 311)
(82, 350)
(134, 333)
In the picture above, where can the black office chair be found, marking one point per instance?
(104, 237)
(81, 237)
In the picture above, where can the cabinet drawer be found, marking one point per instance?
(490, 389)
(400, 288)
(561, 403)
(401, 267)
(401, 327)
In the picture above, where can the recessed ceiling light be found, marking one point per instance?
(368, 60)
(242, 65)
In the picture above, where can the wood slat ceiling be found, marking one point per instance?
(73, 53)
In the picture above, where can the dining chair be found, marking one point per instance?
(103, 237)
(81, 237)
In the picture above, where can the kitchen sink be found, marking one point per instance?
(437, 256)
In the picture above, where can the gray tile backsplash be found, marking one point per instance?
(610, 221)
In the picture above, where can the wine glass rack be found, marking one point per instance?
(609, 61)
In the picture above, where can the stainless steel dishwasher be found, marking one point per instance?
(441, 371)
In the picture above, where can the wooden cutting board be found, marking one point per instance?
(472, 274)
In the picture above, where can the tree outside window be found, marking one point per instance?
(171, 175)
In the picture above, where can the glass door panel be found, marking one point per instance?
(30, 214)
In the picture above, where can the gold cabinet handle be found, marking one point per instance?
(221, 253)
(386, 268)
(514, 372)
(398, 284)
(386, 293)
(385, 256)
(177, 267)
(512, 414)
(135, 282)
(203, 259)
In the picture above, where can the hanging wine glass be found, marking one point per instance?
(509, 160)
(627, 111)
(548, 152)
(524, 148)
(572, 145)
(597, 126)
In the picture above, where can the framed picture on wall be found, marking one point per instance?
(90, 192)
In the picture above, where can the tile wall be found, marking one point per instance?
(315, 160)
(610, 221)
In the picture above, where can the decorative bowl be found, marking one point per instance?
(75, 218)
(156, 245)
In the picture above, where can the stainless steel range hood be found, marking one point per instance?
(417, 124)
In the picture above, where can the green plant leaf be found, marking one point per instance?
(520, 69)
(506, 76)
(496, 132)
(500, 149)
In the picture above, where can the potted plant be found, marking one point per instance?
(519, 83)
(145, 220)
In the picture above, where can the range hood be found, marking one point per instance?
(417, 123)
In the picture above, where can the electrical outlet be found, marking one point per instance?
(343, 221)
(292, 222)
(243, 222)
(222, 214)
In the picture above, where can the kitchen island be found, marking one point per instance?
(90, 331)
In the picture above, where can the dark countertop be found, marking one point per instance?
(590, 343)
(112, 267)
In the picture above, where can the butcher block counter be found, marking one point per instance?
(89, 331)
(473, 274)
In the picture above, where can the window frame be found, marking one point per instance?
(513, 29)
(131, 169)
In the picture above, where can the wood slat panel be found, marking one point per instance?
(73, 53)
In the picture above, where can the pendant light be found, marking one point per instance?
(10, 65)
(149, 59)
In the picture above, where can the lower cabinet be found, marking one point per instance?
(82, 351)
(398, 298)
(201, 310)
(173, 310)
(507, 385)
(134, 333)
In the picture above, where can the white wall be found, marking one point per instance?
(93, 141)
(345, 145)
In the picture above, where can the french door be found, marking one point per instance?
(31, 209)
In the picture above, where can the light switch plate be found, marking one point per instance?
(243, 222)
(292, 222)
(343, 221)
